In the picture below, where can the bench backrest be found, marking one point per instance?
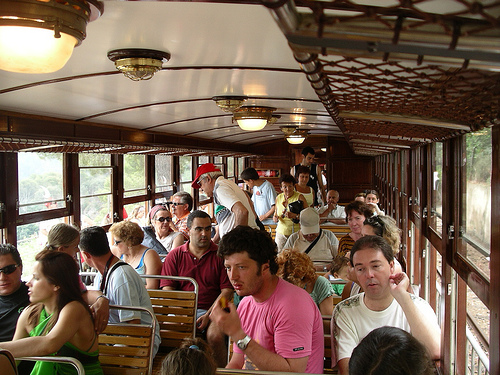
(175, 311)
(127, 349)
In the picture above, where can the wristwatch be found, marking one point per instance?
(243, 343)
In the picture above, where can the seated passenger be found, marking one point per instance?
(193, 357)
(137, 215)
(385, 226)
(360, 197)
(372, 199)
(161, 235)
(355, 212)
(384, 302)
(65, 238)
(339, 269)
(390, 351)
(181, 206)
(127, 246)
(277, 327)
(116, 280)
(198, 259)
(298, 269)
(320, 245)
(263, 195)
(302, 175)
(332, 213)
(282, 214)
(58, 320)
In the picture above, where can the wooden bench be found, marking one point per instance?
(175, 311)
(127, 349)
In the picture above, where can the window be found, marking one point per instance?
(95, 189)
(202, 160)
(476, 199)
(134, 175)
(186, 168)
(163, 173)
(241, 166)
(41, 184)
(436, 221)
(230, 168)
(137, 213)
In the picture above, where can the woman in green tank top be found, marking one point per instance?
(58, 321)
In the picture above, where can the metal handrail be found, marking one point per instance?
(72, 361)
(477, 348)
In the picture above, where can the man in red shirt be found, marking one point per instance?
(198, 259)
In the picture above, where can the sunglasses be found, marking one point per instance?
(176, 204)
(161, 219)
(7, 270)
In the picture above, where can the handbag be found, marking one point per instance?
(296, 207)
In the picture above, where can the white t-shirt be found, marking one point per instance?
(337, 213)
(228, 193)
(352, 321)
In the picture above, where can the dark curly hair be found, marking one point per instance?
(257, 243)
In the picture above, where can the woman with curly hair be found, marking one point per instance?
(128, 237)
(297, 268)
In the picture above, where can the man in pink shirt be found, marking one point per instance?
(277, 327)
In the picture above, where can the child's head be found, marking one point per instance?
(193, 357)
(340, 267)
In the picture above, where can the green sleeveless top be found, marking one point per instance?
(90, 361)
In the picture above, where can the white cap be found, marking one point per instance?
(309, 221)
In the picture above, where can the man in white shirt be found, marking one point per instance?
(233, 206)
(320, 245)
(263, 195)
(333, 213)
(384, 302)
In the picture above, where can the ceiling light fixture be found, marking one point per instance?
(229, 103)
(297, 137)
(138, 64)
(253, 118)
(38, 36)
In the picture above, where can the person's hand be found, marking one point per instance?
(275, 218)
(228, 322)
(100, 313)
(399, 284)
(202, 322)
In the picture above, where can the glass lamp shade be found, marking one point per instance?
(295, 140)
(34, 50)
(252, 124)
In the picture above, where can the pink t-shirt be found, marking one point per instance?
(288, 323)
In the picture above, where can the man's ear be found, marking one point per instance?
(391, 265)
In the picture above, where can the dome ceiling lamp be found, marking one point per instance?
(38, 36)
(229, 103)
(252, 118)
(294, 135)
(138, 64)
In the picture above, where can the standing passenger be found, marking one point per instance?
(263, 195)
(161, 235)
(302, 177)
(277, 327)
(315, 180)
(282, 214)
(232, 205)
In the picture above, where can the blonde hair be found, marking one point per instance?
(61, 235)
(128, 231)
(296, 268)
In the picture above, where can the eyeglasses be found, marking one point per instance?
(161, 219)
(117, 242)
(199, 181)
(7, 270)
(374, 221)
(176, 204)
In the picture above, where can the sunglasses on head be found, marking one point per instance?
(161, 219)
(9, 269)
